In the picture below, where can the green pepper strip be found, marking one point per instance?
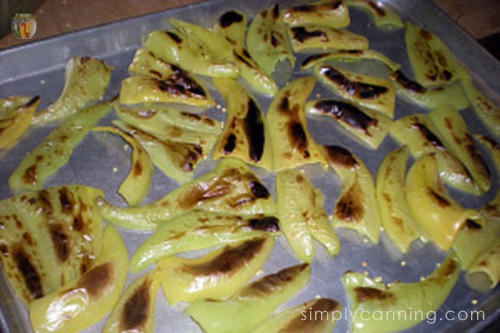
(15, 118)
(349, 55)
(55, 150)
(331, 13)
(381, 14)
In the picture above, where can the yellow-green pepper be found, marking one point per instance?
(382, 15)
(349, 55)
(15, 118)
(492, 147)
(330, 13)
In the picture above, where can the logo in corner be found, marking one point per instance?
(24, 26)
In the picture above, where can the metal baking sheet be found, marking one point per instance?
(38, 69)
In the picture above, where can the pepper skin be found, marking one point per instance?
(15, 118)
(252, 304)
(486, 264)
(349, 55)
(55, 150)
(85, 301)
(383, 16)
(314, 37)
(302, 217)
(393, 302)
(492, 147)
(86, 80)
(215, 275)
(331, 13)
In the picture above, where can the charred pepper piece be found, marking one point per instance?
(15, 118)
(349, 55)
(245, 134)
(85, 301)
(382, 15)
(302, 217)
(367, 91)
(48, 238)
(369, 126)
(330, 13)
(230, 187)
(137, 183)
(492, 147)
(200, 230)
(356, 207)
(487, 265)
(425, 296)
(314, 37)
(217, 274)
(134, 311)
(292, 143)
(55, 150)
(252, 304)
(267, 40)
(86, 80)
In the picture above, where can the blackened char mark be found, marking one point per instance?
(378, 10)
(254, 129)
(230, 144)
(30, 275)
(346, 113)
(275, 12)
(408, 84)
(268, 223)
(259, 190)
(341, 156)
(60, 241)
(428, 135)
(175, 37)
(136, 309)
(229, 18)
(298, 138)
(32, 101)
(300, 34)
(352, 88)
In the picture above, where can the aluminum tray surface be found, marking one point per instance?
(38, 69)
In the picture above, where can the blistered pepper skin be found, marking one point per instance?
(383, 16)
(349, 55)
(15, 118)
(331, 13)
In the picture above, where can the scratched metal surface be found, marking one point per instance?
(37, 69)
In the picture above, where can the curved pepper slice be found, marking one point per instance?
(392, 303)
(431, 205)
(230, 187)
(145, 63)
(252, 304)
(292, 143)
(200, 230)
(381, 14)
(487, 265)
(368, 91)
(55, 150)
(137, 183)
(86, 80)
(331, 13)
(492, 147)
(453, 130)
(135, 310)
(245, 135)
(15, 118)
(267, 40)
(302, 217)
(397, 219)
(182, 51)
(216, 275)
(88, 299)
(369, 126)
(313, 37)
(177, 160)
(356, 207)
(314, 316)
(48, 238)
(349, 55)
(232, 25)
(418, 133)
(448, 94)
(485, 110)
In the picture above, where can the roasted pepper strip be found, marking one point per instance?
(356, 207)
(267, 40)
(85, 301)
(15, 118)
(349, 55)
(188, 54)
(177, 160)
(314, 37)
(232, 25)
(486, 264)
(430, 58)
(200, 230)
(369, 297)
(137, 183)
(453, 130)
(245, 135)
(331, 13)
(433, 97)
(135, 310)
(382, 15)
(431, 205)
(397, 219)
(418, 133)
(303, 318)
(485, 110)
(252, 304)
(492, 147)
(86, 80)
(216, 275)
(145, 63)
(292, 143)
(48, 238)
(302, 217)
(55, 150)
(231, 187)
(368, 91)
(369, 126)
